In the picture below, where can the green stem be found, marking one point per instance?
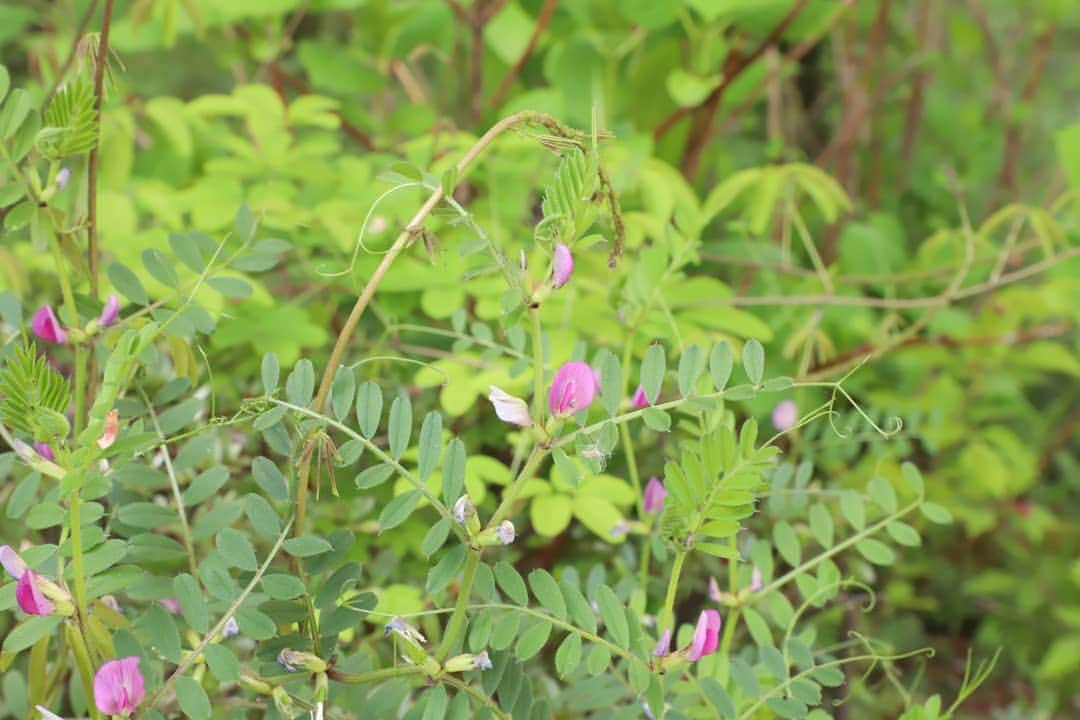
(535, 458)
(83, 663)
(374, 675)
(75, 519)
(457, 620)
(538, 367)
(37, 671)
(667, 615)
(724, 655)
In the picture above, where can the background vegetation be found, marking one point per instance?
(888, 187)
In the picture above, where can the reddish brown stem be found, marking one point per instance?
(1013, 135)
(542, 21)
(916, 98)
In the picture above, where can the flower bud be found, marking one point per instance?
(295, 660)
(463, 663)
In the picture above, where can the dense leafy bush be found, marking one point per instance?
(532, 359)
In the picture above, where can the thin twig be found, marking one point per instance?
(1014, 134)
(542, 21)
(92, 249)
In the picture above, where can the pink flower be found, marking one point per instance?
(572, 390)
(510, 409)
(44, 451)
(715, 593)
(755, 580)
(11, 562)
(31, 599)
(62, 178)
(655, 492)
(562, 265)
(785, 415)
(119, 686)
(639, 400)
(109, 432)
(663, 645)
(47, 327)
(706, 636)
(171, 604)
(110, 312)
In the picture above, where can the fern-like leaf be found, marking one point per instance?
(70, 122)
(35, 396)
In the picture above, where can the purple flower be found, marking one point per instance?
(572, 390)
(119, 686)
(110, 312)
(31, 599)
(44, 451)
(706, 636)
(655, 492)
(785, 415)
(231, 628)
(62, 178)
(47, 327)
(510, 409)
(464, 509)
(11, 562)
(562, 265)
(639, 400)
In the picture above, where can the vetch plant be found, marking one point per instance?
(192, 565)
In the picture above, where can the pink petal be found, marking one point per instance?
(119, 686)
(785, 415)
(562, 265)
(573, 389)
(110, 312)
(44, 451)
(12, 563)
(655, 492)
(510, 409)
(639, 400)
(706, 635)
(47, 327)
(30, 597)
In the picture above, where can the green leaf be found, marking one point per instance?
(745, 678)
(159, 267)
(721, 360)
(599, 659)
(398, 510)
(718, 697)
(269, 478)
(611, 384)
(852, 508)
(271, 372)
(437, 701)
(547, 592)
(400, 425)
(787, 542)
(281, 586)
(653, 366)
(236, 549)
(231, 287)
(758, 627)
(435, 537)
(656, 419)
(262, 516)
(342, 392)
(192, 603)
(510, 582)
(504, 631)
(881, 491)
(912, 477)
(903, 533)
(222, 662)
(876, 551)
(936, 513)
(29, 631)
(300, 385)
(306, 546)
(753, 360)
(374, 476)
(568, 469)
(192, 699)
(187, 251)
(821, 525)
(453, 475)
(446, 569)
(691, 363)
(532, 640)
(614, 615)
(430, 443)
(127, 283)
(568, 656)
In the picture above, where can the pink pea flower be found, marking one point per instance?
(706, 636)
(655, 492)
(119, 686)
(11, 562)
(755, 580)
(510, 409)
(110, 312)
(171, 604)
(47, 327)
(562, 265)
(715, 593)
(45, 451)
(785, 415)
(663, 645)
(638, 400)
(63, 177)
(31, 599)
(572, 390)
(109, 432)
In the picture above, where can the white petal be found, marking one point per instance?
(509, 408)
